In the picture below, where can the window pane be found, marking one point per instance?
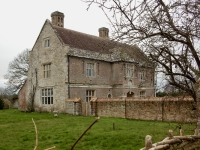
(51, 100)
(92, 93)
(45, 92)
(49, 92)
(45, 100)
(92, 72)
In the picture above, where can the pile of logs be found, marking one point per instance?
(189, 142)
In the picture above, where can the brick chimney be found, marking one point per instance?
(103, 32)
(57, 19)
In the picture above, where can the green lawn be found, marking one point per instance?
(17, 131)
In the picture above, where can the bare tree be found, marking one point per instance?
(168, 32)
(17, 71)
(4, 93)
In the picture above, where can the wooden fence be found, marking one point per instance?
(181, 142)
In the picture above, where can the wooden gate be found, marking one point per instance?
(86, 109)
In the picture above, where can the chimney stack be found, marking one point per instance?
(57, 19)
(103, 32)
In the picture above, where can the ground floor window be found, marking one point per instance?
(89, 95)
(142, 94)
(47, 96)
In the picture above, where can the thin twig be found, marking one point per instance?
(50, 148)
(36, 136)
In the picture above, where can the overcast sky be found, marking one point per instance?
(22, 20)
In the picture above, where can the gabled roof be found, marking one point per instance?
(97, 44)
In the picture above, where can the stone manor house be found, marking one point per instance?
(66, 64)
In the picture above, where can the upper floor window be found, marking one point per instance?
(47, 43)
(90, 70)
(141, 76)
(89, 95)
(142, 94)
(46, 70)
(47, 96)
(129, 70)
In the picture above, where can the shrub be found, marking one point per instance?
(1, 103)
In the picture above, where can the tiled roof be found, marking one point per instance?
(97, 44)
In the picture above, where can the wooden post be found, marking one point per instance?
(113, 126)
(170, 134)
(181, 132)
(148, 142)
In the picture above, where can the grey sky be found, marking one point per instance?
(22, 20)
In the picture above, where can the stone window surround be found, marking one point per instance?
(47, 96)
(89, 94)
(142, 93)
(129, 70)
(90, 68)
(141, 76)
(47, 42)
(46, 70)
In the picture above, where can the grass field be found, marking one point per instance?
(17, 131)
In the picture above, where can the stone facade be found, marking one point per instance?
(22, 98)
(66, 64)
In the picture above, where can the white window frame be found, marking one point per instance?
(47, 42)
(89, 95)
(90, 69)
(129, 70)
(141, 76)
(46, 70)
(47, 96)
(142, 94)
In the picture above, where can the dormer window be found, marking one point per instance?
(47, 43)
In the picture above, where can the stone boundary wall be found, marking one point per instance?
(158, 109)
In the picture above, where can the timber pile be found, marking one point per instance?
(189, 142)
